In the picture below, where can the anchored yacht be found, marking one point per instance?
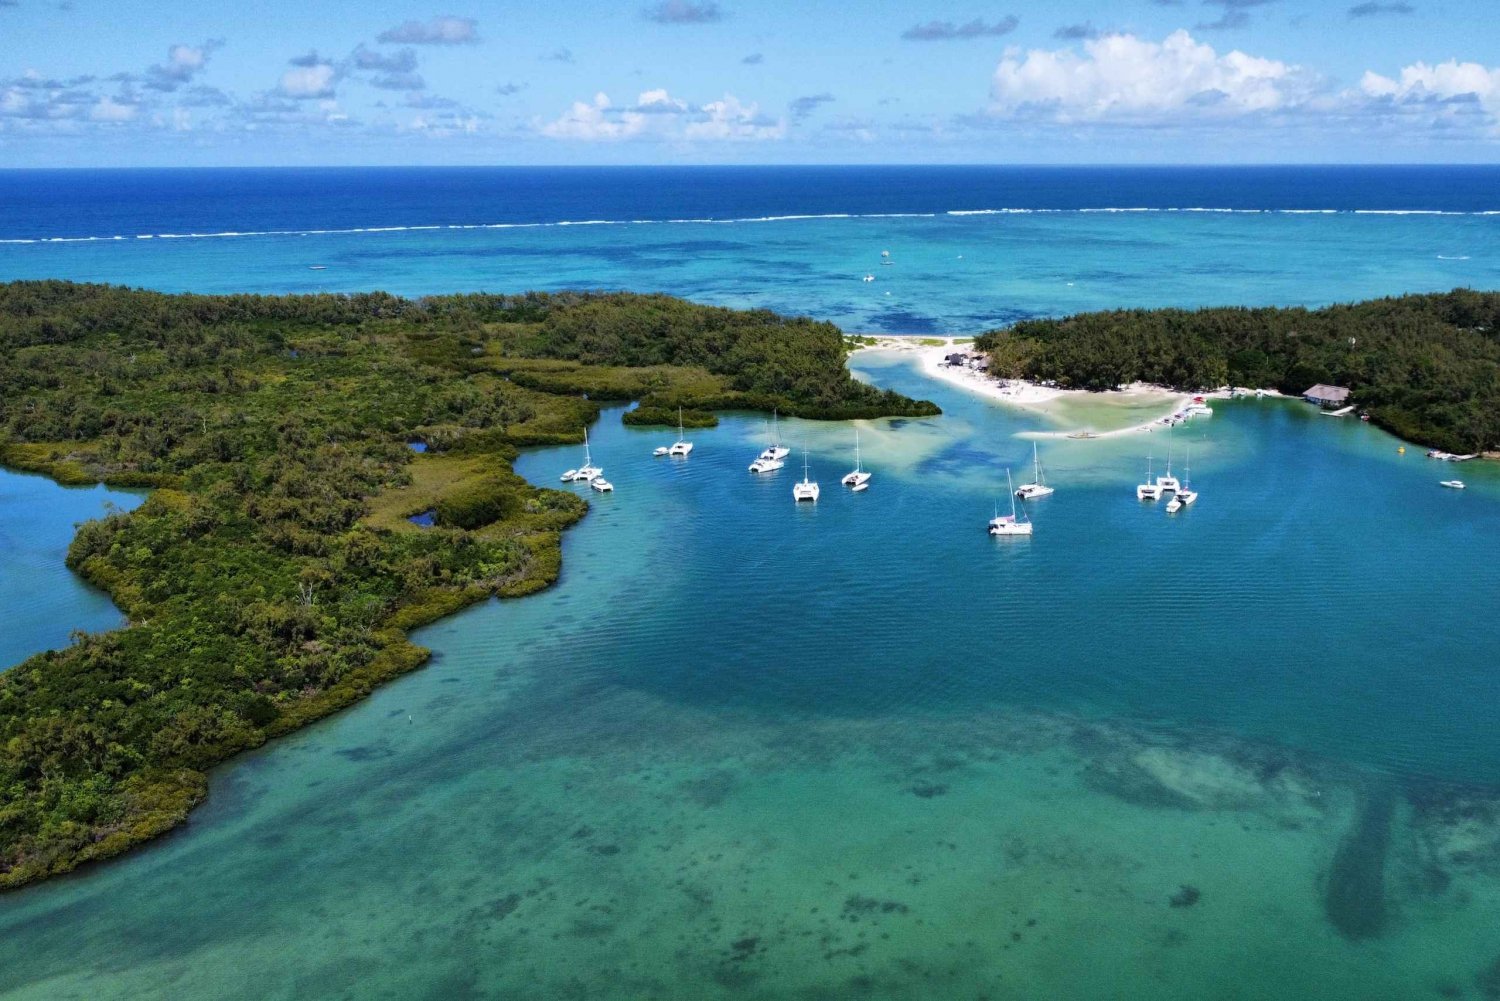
(859, 479)
(1009, 524)
(807, 490)
(1038, 485)
(1150, 490)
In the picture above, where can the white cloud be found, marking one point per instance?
(1129, 79)
(448, 30)
(1442, 89)
(107, 109)
(304, 82)
(733, 119)
(596, 120)
(656, 114)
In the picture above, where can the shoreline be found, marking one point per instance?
(1032, 396)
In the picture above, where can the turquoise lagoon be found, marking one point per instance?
(747, 749)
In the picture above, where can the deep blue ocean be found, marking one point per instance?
(970, 247)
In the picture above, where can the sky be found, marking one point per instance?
(292, 82)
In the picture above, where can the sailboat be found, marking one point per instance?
(859, 479)
(1009, 524)
(681, 446)
(1168, 482)
(588, 471)
(776, 450)
(1038, 486)
(1185, 494)
(807, 490)
(1149, 490)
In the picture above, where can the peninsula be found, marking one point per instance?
(273, 573)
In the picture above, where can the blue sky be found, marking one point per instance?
(83, 83)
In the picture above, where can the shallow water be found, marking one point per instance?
(43, 602)
(751, 750)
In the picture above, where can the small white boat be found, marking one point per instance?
(1149, 490)
(1175, 504)
(1038, 485)
(661, 450)
(868, 278)
(681, 447)
(807, 490)
(602, 485)
(1009, 524)
(764, 465)
(859, 479)
(885, 257)
(775, 450)
(317, 267)
(1452, 484)
(860, 488)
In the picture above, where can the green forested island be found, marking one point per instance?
(272, 575)
(1425, 367)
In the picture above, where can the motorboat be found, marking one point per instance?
(764, 465)
(1452, 484)
(1038, 485)
(602, 485)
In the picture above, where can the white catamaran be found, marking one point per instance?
(1150, 490)
(807, 490)
(587, 472)
(681, 447)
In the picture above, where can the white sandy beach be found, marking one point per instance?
(1050, 401)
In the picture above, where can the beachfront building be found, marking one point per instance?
(1327, 396)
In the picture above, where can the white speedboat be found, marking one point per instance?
(661, 450)
(602, 485)
(1174, 505)
(775, 450)
(1038, 485)
(859, 488)
(764, 465)
(1452, 484)
(807, 490)
(1150, 490)
(868, 278)
(858, 479)
(1009, 524)
(681, 447)
(586, 472)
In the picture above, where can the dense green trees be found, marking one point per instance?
(1427, 367)
(271, 576)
